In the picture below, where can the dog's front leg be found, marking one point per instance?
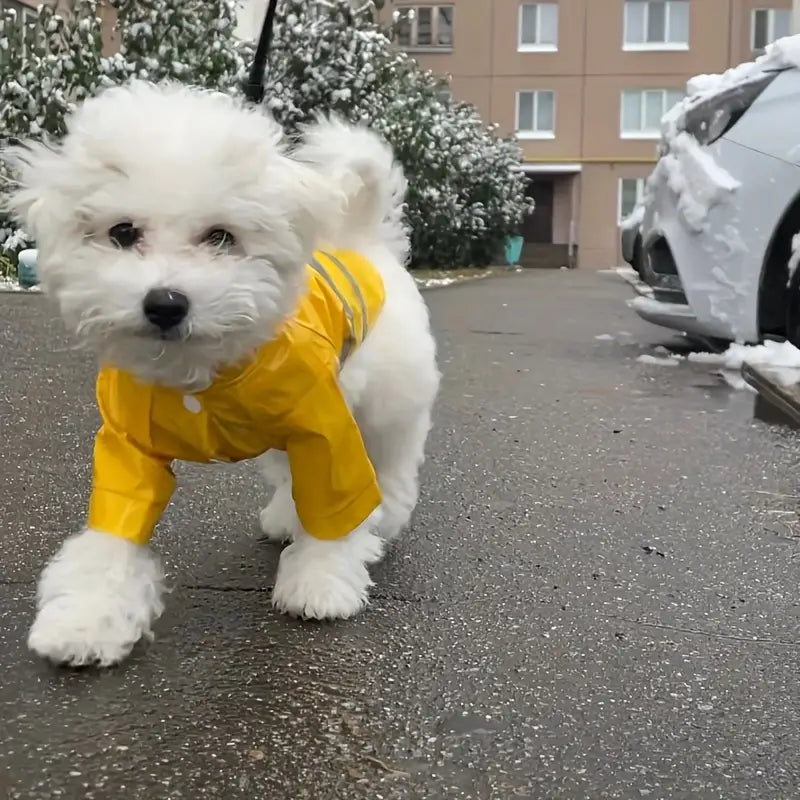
(327, 579)
(96, 598)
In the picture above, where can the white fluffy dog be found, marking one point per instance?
(174, 229)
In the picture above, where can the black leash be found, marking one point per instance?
(254, 88)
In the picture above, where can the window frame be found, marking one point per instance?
(666, 45)
(536, 47)
(640, 187)
(644, 133)
(413, 46)
(535, 133)
(771, 12)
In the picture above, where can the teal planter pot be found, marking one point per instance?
(513, 250)
(26, 269)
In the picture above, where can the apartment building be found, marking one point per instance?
(583, 84)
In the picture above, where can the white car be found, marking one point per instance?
(722, 207)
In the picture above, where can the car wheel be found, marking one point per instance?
(793, 309)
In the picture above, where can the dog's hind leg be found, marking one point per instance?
(397, 453)
(279, 521)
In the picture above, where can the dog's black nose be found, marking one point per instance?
(165, 308)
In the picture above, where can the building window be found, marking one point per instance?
(538, 27)
(769, 24)
(642, 110)
(536, 114)
(631, 192)
(424, 27)
(656, 25)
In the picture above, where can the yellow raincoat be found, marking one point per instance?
(287, 398)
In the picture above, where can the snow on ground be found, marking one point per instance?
(632, 277)
(429, 283)
(624, 338)
(9, 285)
(769, 354)
(782, 358)
(659, 361)
(785, 376)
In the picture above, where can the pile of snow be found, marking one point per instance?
(769, 354)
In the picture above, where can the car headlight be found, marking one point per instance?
(709, 120)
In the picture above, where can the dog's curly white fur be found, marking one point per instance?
(178, 162)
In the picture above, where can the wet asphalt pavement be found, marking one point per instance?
(598, 599)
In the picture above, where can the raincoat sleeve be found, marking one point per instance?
(333, 481)
(131, 485)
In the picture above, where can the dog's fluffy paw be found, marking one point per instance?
(96, 599)
(326, 579)
(76, 632)
(279, 522)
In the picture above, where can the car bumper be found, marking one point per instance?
(666, 314)
(709, 265)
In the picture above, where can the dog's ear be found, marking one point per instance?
(315, 204)
(364, 184)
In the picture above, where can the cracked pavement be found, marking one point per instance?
(598, 598)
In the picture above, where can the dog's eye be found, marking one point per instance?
(219, 239)
(124, 235)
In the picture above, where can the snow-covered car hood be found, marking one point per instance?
(780, 55)
(689, 168)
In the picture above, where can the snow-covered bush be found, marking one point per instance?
(47, 65)
(186, 40)
(466, 187)
(467, 190)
